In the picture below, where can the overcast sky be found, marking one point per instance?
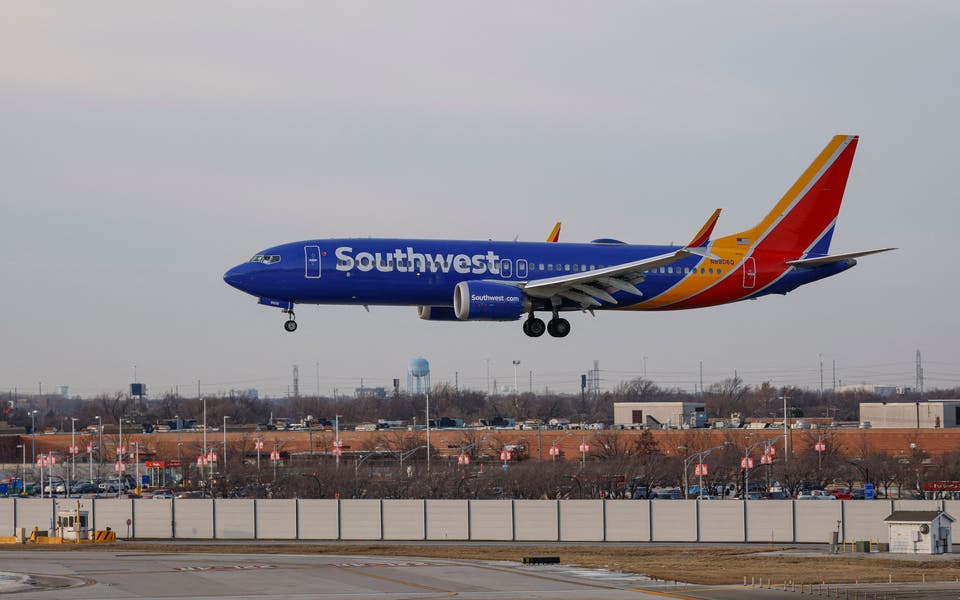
(145, 148)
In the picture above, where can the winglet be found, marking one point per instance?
(703, 236)
(555, 233)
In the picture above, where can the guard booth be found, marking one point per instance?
(72, 524)
(920, 532)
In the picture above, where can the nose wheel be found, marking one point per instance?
(291, 324)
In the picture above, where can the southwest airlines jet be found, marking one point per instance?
(458, 280)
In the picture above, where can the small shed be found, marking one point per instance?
(920, 531)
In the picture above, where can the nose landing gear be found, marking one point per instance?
(291, 324)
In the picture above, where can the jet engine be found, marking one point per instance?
(488, 301)
(436, 313)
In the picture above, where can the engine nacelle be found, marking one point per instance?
(436, 313)
(488, 301)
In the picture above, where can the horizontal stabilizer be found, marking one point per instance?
(820, 261)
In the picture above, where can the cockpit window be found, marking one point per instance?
(267, 259)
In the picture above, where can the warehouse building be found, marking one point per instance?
(659, 415)
(929, 414)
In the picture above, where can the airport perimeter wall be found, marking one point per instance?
(764, 521)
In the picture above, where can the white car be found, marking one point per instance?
(59, 487)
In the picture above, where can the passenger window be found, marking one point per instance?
(670, 270)
(550, 267)
(719, 271)
(576, 268)
(592, 267)
(541, 267)
(702, 271)
(566, 267)
(711, 270)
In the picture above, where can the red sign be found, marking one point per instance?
(174, 463)
(274, 455)
(154, 464)
(700, 469)
(258, 444)
(463, 459)
(335, 452)
(766, 459)
(770, 450)
(820, 446)
(505, 455)
(119, 466)
(338, 443)
(121, 450)
(89, 448)
(554, 450)
(212, 456)
(746, 462)
(941, 486)
(202, 461)
(74, 450)
(584, 448)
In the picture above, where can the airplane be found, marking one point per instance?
(460, 280)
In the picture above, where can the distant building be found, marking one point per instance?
(660, 415)
(930, 414)
(884, 391)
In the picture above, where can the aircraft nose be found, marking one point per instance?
(236, 277)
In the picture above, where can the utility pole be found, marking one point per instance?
(701, 378)
(820, 356)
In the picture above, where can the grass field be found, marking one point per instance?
(694, 564)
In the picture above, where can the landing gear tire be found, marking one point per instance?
(290, 325)
(558, 327)
(534, 327)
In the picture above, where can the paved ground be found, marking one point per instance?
(107, 576)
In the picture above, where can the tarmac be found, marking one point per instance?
(103, 575)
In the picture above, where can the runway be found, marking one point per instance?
(97, 575)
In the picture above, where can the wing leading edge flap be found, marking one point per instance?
(820, 261)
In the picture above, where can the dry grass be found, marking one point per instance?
(694, 564)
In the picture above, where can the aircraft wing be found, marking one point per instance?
(590, 287)
(819, 261)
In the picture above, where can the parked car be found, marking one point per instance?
(57, 486)
(112, 486)
(162, 493)
(84, 487)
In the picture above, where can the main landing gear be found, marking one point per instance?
(291, 324)
(557, 327)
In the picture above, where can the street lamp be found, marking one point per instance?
(100, 444)
(336, 436)
(23, 469)
(73, 449)
(747, 463)
(33, 435)
(700, 471)
(225, 417)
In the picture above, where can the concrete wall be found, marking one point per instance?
(276, 519)
(581, 520)
(769, 522)
(481, 520)
(318, 519)
(491, 520)
(448, 520)
(628, 520)
(193, 518)
(816, 519)
(234, 519)
(404, 520)
(675, 520)
(535, 520)
(720, 521)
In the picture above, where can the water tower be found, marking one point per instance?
(418, 376)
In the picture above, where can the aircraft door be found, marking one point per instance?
(312, 262)
(521, 268)
(749, 273)
(506, 268)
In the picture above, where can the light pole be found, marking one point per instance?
(686, 467)
(786, 433)
(204, 452)
(23, 469)
(516, 390)
(33, 436)
(100, 444)
(336, 436)
(745, 464)
(225, 417)
(428, 429)
(73, 451)
(136, 458)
